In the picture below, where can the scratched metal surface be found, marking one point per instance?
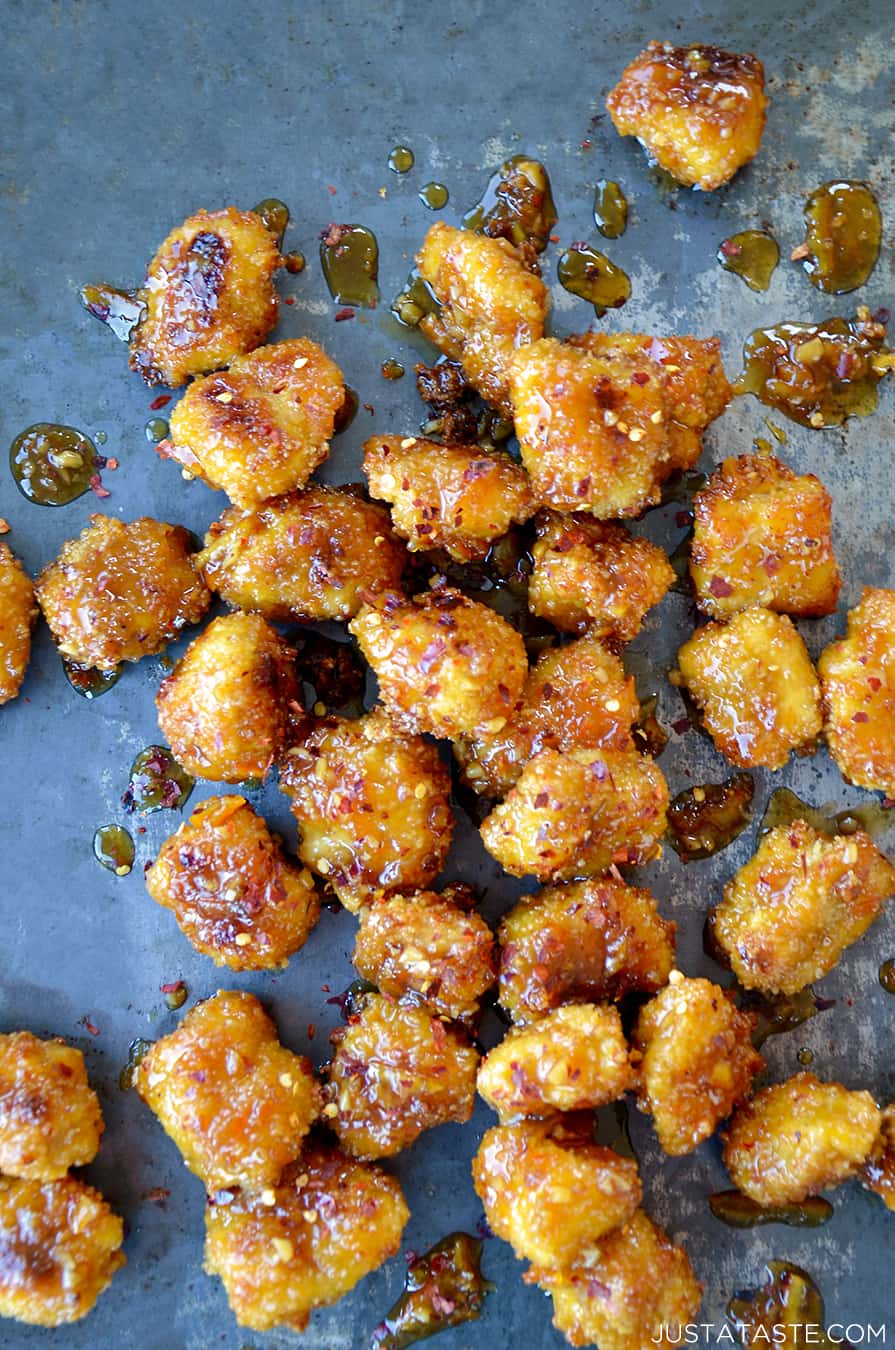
(120, 120)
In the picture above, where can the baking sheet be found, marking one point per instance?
(120, 120)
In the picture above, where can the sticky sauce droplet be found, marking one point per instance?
(434, 196)
(275, 215)
(401, 159)
(349, 256)
(610, 209)
(517, 204)
(87, 681)
(113, 847)
(818, 374)
(156, 429)
(586, 272)
(843, 231)
(157, 782)
(52, 464)
(751, 255)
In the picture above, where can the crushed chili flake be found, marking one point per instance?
(158, 1195)
(311, 1030)
(342, 314)
(681, 725)
(719, 587)
(161, 401)
(683, 518)
(172, 987)
(90, 1026)
(289, 300)
(860, 717)
(5, 526)
(586, 144)
(369, 408)
(730, 249)
(330, 189)
(97, 487)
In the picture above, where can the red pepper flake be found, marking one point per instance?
(90, 1026)
(683, 518)
(554, 238)
(330, 189)
(369, 408)
(888, 803)
(324, 988)
(288, 299)
(311, 1029)
(873, 682)
(97, 486)
(158, 1195)
(860, 717)
(5, 526)
(541, 800)
(173, 987)
(586, 144)
(719, 587)
(112, 464)
(731, 249)
(161, 402)
(640, 377)
(681, 726)
(342, 314)
(771, 564)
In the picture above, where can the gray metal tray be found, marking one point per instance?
(122, 119)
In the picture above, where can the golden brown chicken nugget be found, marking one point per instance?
(576, 697)
(17, 614)
(50, 1118)
(692, 375)
(490, 303)
(306, 556)
(762, 536)
(372, 805)
(595, 575)
(445, 664)
(574, 814)
(754, 683)
(209, 296)
(233, 891)
(456, 497)
(260, 428)
(575, 1058)
(697, 1060)
(396, 1071)
(425, 948)
(550, 1191)
(121, 591)
(225, 707)
(60, 1245)
(879, 1170)
(236, 1103)
(792, 909)
(592, 429)
(698, 111)
(857, 676)
(305, 1242)
(637, 1290)
(798, 1138)
(589, 941)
